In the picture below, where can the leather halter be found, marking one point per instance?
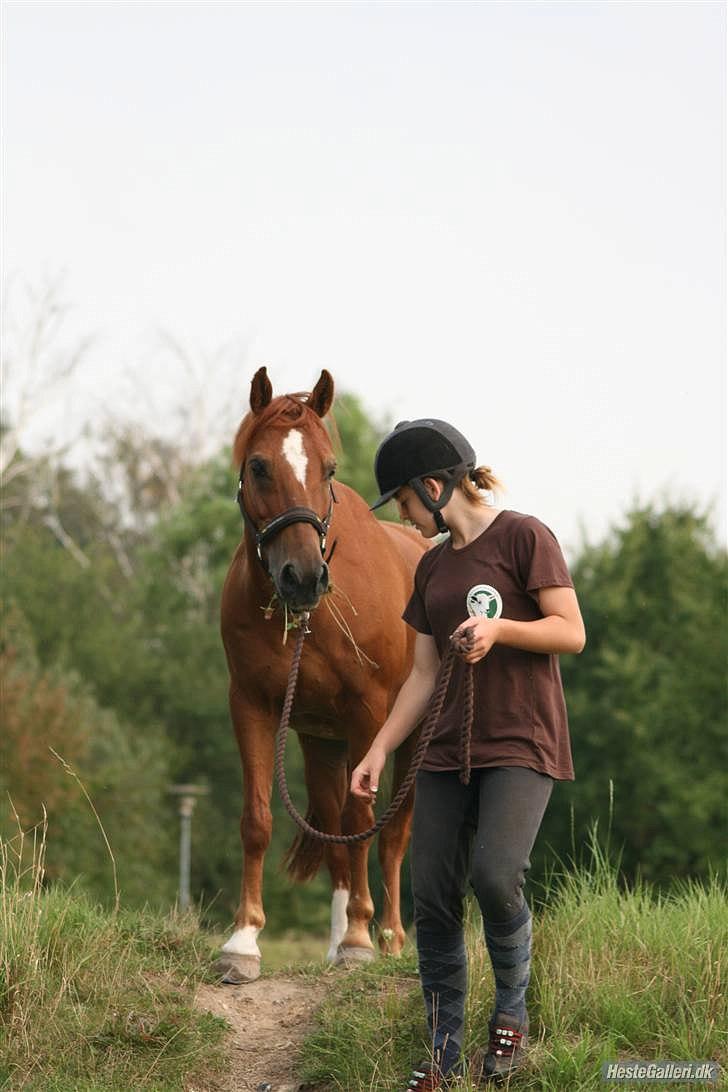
(298, 514)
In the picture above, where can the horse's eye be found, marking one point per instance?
(330, 472)
(258, 468)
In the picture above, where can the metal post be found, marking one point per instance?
(186, 807)
(187, 799)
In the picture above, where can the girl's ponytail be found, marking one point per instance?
(479, 481)
(484, 478)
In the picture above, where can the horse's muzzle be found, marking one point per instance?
(301, 590)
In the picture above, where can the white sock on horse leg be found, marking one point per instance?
(243, 942)
(339, 920)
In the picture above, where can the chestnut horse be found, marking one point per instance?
(357, 656)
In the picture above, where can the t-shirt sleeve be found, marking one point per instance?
(415, 614)
(540, 561)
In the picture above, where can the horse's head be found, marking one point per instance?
(286, 466)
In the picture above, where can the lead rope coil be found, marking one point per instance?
(428, 728)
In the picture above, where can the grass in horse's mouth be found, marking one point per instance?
(292, 619)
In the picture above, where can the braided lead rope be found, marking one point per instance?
(466, 727)
(437, 702)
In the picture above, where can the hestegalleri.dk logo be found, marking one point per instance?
(707, 1072)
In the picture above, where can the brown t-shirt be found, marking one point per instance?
(520, 713)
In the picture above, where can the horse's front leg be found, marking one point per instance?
(327, 783)
(255, 732)
(358, 815)
(356, 944)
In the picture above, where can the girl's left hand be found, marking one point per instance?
(474, 638)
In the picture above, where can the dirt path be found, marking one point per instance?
(269, 1020)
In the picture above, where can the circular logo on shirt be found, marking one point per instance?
(484, 600)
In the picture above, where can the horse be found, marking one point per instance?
(357, 656)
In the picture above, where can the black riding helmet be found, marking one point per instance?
(420, 449)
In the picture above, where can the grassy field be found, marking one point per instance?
(101, 1001)
(92, 1000)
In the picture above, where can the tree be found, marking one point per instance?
(36, 366)
(58, 745)
(360, 437)
(647, 699)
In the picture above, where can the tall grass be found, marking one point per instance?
(617, 973)
(98, 1001)
(91, 999)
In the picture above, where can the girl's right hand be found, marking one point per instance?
(365, 778)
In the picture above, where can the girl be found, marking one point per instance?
(499, 589)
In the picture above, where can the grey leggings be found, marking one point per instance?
(485, 831)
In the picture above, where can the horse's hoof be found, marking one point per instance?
(237, 969)
(346, 956)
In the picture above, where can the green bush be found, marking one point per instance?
(63, 758)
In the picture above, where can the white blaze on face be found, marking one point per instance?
(339, 921)
(243, 942)
(294, 451)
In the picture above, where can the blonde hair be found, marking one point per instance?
(479, 481)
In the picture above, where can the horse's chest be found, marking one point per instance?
(318, 688)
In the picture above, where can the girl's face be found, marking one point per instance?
(413, 511)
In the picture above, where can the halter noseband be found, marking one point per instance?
(298, 514)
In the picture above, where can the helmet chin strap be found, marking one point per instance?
(433, 505)
(440, 523)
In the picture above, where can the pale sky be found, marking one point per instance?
(507, 215)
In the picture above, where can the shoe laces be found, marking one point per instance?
(424, 1079)
(504, 1042)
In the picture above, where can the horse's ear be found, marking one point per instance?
(322, 394)
(261, 391)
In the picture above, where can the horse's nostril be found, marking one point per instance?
(323, 580)
(289, 577)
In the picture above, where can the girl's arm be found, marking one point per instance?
(407, 711)
(560, 630)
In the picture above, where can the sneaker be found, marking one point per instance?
(507, 1046)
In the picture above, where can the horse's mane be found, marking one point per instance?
(281, 412)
